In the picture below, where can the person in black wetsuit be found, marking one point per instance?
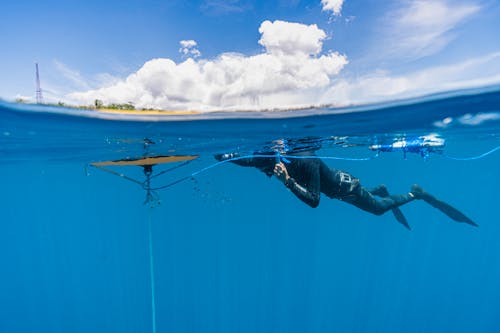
(308, 176)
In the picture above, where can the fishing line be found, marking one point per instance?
(333, 158)
(211, 166)
(170, 169)
(472, 158)
(119, 174)
(284, 157)
(279, 157)
(197, 173)
(151, 196)
(151, 271)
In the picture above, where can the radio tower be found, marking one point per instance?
(39, 97)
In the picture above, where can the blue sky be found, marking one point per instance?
(243, 53)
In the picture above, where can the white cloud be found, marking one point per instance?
(72, 75)
(188, 48)
(64, 79)
(423, 27)
(478, 119)
(335, 6)
(280, 37)
(382, 86)
(105, 79)
(290, 71)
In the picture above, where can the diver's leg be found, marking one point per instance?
(367, 202)
(381, 191)
(452, 212)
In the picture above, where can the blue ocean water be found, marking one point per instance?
(233, 250)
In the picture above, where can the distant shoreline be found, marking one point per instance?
(151, 112)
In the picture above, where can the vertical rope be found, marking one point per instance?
(151, 271)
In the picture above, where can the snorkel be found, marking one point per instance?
(280, 148)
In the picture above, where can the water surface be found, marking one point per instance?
(233, 250)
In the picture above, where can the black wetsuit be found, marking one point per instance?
(309, 177)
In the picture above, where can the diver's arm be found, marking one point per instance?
(241, 161)
(309, 194)
(247, 162)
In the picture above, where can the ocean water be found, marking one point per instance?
(231, 250)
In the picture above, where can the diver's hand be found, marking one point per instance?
(281, 172)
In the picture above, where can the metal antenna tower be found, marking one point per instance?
(39, 96)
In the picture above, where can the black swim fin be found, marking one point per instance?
(398, 214)
(382, 192)
(450, 211)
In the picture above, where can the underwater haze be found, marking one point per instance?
(224, 248)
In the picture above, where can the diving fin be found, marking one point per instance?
(382, 192)
(450, 211)
(398, 214)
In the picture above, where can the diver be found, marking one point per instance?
(307, 176)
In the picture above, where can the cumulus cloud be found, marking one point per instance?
(334, 6)
(424, 27)
(281, 38)
(290, 71)
(188, 48)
